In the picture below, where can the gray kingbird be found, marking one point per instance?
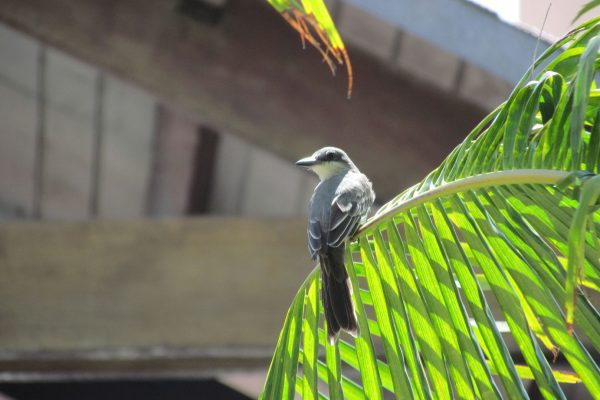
(339, 204)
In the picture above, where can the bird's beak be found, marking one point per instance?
(306, 162)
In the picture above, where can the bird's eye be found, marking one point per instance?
(330, 156)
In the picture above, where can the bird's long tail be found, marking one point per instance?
(336, 294)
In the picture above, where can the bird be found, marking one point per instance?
(339, 205)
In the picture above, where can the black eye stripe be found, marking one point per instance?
(327, 156)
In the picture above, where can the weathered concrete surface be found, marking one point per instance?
(18, 113)
(209, 287)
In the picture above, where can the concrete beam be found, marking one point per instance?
(465, 29)
(146, 295)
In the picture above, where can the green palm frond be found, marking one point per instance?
(508, 221)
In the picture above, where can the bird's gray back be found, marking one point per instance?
(320, 202)
(338, 205)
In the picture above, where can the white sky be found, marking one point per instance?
(508, 10)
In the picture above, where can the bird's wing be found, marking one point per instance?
(351, 203)
(314, 236)
(346, 213)
(330, 227)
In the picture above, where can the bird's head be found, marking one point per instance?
(327, 162)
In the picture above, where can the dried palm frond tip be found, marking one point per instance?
(315, 26)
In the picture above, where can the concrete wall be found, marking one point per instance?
(74, 142)
(246, 180)
(77, 143)
(19, 115)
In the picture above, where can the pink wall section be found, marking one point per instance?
(560, 16)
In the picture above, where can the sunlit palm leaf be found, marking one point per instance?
(508, 221)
